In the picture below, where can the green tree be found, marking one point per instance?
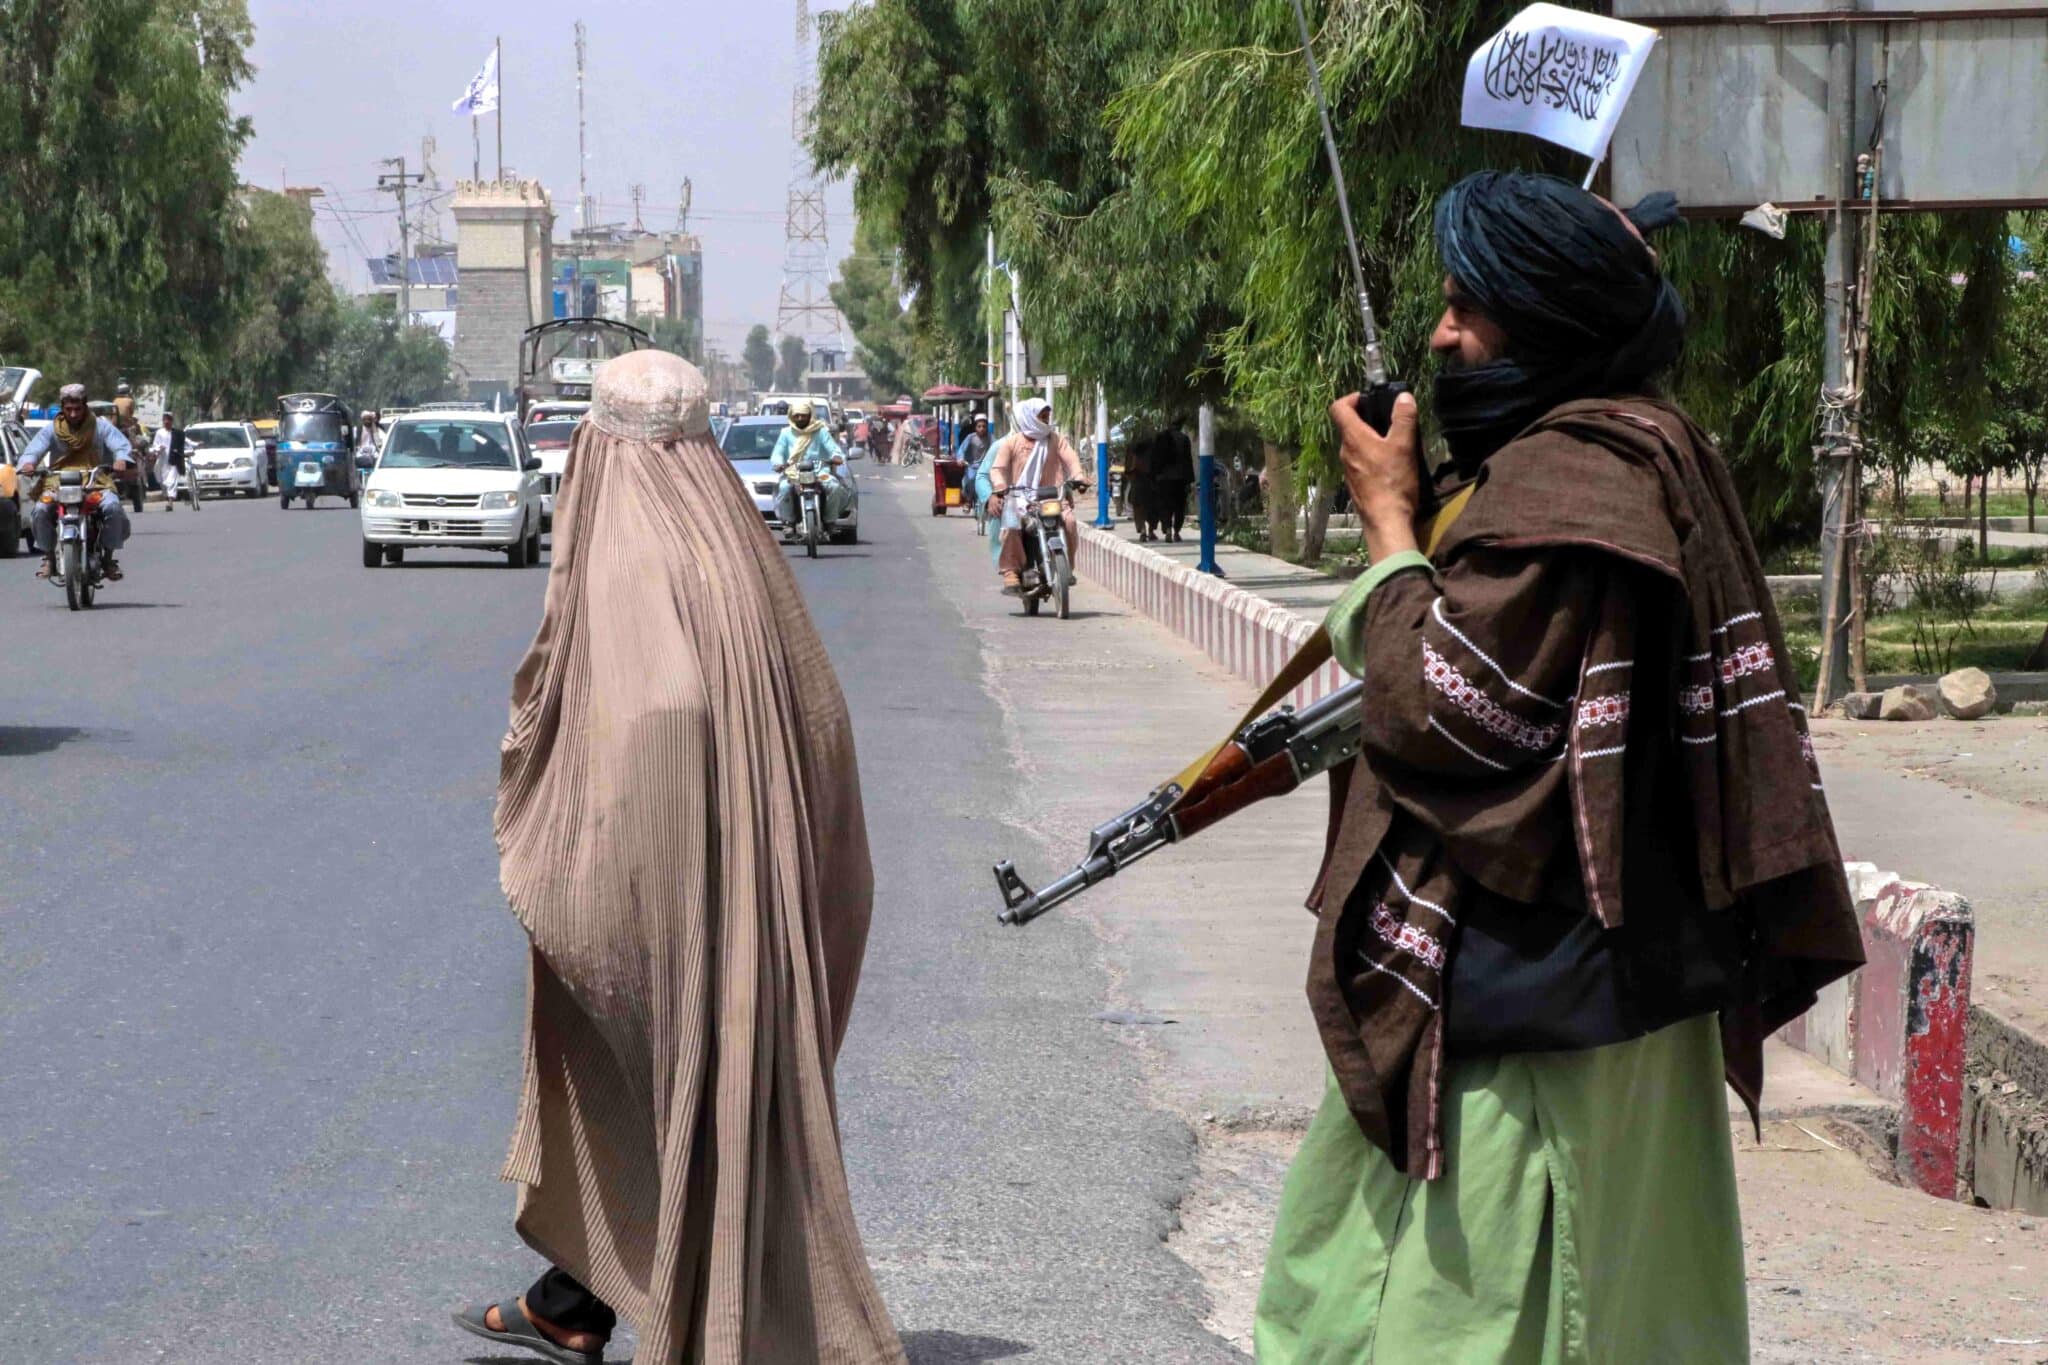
(374, 363)
(1187, 245)
(789, 371)
(867, 296)
(759, 358)
(118, 203)
(2019, 373)
(678, 335)
(290, 318)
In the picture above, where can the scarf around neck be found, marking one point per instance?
(78, 440)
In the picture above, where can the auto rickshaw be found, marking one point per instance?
(316, 449)
(949, 473)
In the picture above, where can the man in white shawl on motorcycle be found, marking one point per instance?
(805, 443)
(1032, 457)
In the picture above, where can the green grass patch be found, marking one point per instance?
(1998, 639)
(1927, 505)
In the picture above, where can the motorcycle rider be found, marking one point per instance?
(125, 422)
(975, 443)
(76, 439)
(1032, 457)
(805, 444)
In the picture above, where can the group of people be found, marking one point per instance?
(1581, 868)
(1159, 471)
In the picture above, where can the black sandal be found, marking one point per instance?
(520, 1331)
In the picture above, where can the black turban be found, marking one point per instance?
(1586, 310)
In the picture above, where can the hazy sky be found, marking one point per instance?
(699, 88)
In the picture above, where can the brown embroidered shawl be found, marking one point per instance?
(1507, 696)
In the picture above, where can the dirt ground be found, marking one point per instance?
(2001, 756)
(1843, 1265)
(1963, 805)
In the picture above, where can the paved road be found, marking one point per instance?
(260, 999)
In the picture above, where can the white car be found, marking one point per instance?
(225, 457)
(453, 480)
(549, 430)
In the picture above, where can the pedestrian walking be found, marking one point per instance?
(1141, 490)
(1173, 474)
(167, 453)
(679, 822)
(1585, 864)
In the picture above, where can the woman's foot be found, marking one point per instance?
(561, 1336)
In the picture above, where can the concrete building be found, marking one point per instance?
(637, 277)
(504, 234)
(434, 295)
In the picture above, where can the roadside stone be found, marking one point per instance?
(1905, 702)
(1967, 693)
(1861, 705)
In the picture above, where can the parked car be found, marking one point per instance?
(749, 442)
(548, 434)
(15, 530)
(455, 480)
(225, 457)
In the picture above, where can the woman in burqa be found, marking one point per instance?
(680, 832)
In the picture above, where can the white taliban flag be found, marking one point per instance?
(482, 95)
(1558, 74)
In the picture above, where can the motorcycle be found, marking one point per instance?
(810, 499)
(1048, 573)
(81, 562)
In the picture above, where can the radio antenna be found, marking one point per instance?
(1375, 358)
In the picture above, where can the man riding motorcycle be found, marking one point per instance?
(125, 422)
(1032, 457)
(806, 444)
(76, 439)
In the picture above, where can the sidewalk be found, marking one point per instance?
(1207, 948)
(1960, 805)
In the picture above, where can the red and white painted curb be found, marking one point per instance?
(1898, 1026)
(1901, 1025)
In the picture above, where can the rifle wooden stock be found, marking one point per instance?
(1229, 784)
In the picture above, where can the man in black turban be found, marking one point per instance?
(1572, 287)
(1583, 864)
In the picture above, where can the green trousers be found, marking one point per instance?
(1587, 1216)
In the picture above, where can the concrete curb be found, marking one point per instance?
(1899, 1026)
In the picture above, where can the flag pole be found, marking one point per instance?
(500, 49)
(476, 163)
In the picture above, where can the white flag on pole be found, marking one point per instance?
(482, 95)
(1558, 74)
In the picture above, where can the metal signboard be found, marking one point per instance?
(1732, 108)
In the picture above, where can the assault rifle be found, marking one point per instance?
(1271, 756)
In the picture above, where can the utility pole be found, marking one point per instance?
(398, 183)
(583, 214)
(639, 197)
(683, 208)
(1838, 397)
